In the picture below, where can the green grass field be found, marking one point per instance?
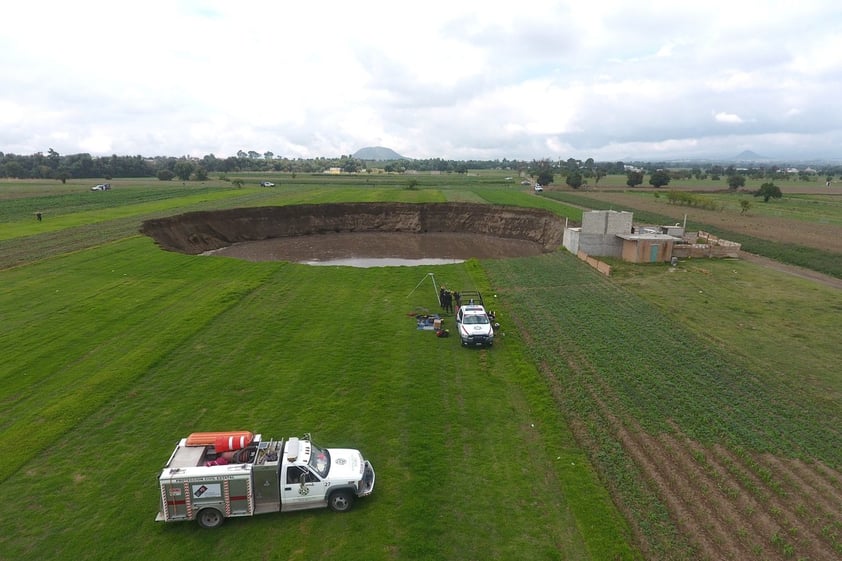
(788, 184)
(114, 349)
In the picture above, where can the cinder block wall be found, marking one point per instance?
(606, 222)
(618, 222)
(601, 245)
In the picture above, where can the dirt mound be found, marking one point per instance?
(197, 232)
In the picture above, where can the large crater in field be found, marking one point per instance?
(361, 230)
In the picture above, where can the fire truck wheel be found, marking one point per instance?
(341, 501)
(210, 518)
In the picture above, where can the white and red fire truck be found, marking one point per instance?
(213, 476)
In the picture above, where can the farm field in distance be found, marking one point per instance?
(661, 413)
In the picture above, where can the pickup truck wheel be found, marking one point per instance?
(341, 501)
(210, 518)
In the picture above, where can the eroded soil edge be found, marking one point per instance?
(197, 232)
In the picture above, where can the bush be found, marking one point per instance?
(689, 199)
(165, 175)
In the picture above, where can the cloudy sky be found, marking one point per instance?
(455, 79)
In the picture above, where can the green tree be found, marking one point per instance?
(13, 169)
(745, 204)
(768, 191)
(349, 165)
(659, 178)
(165, 175)
(54, 159)
(574, 179)
(542, 170)
(201, 174)
(545, 177)
(735, 181)
(183, 169)
(634, 178)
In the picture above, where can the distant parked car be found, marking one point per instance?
(538, 188)
(525, 182)
(101, 187)
(266, 184)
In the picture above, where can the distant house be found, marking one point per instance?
(609, 233)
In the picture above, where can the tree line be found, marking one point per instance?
(575, 172)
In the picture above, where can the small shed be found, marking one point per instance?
(647, 247)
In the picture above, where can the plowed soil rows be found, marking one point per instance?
(728, 506)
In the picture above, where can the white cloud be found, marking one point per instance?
(729, 118)
(449, 79)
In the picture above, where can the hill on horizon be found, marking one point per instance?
(749, 156)
(377, 153)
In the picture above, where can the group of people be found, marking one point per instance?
(447, 298)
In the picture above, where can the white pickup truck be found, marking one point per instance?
(213, 476)
(473, 321)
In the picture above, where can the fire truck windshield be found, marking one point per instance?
(319, 460)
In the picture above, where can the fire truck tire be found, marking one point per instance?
(341, 501)
(210, 518)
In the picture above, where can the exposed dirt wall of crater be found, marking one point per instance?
(197, 232)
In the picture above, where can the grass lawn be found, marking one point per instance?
(116, 350)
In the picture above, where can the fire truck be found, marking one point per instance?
(213, 476)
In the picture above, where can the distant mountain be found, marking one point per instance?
(377, 153)
(749, 156)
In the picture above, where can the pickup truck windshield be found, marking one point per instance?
(483, 319)
(319, 460)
